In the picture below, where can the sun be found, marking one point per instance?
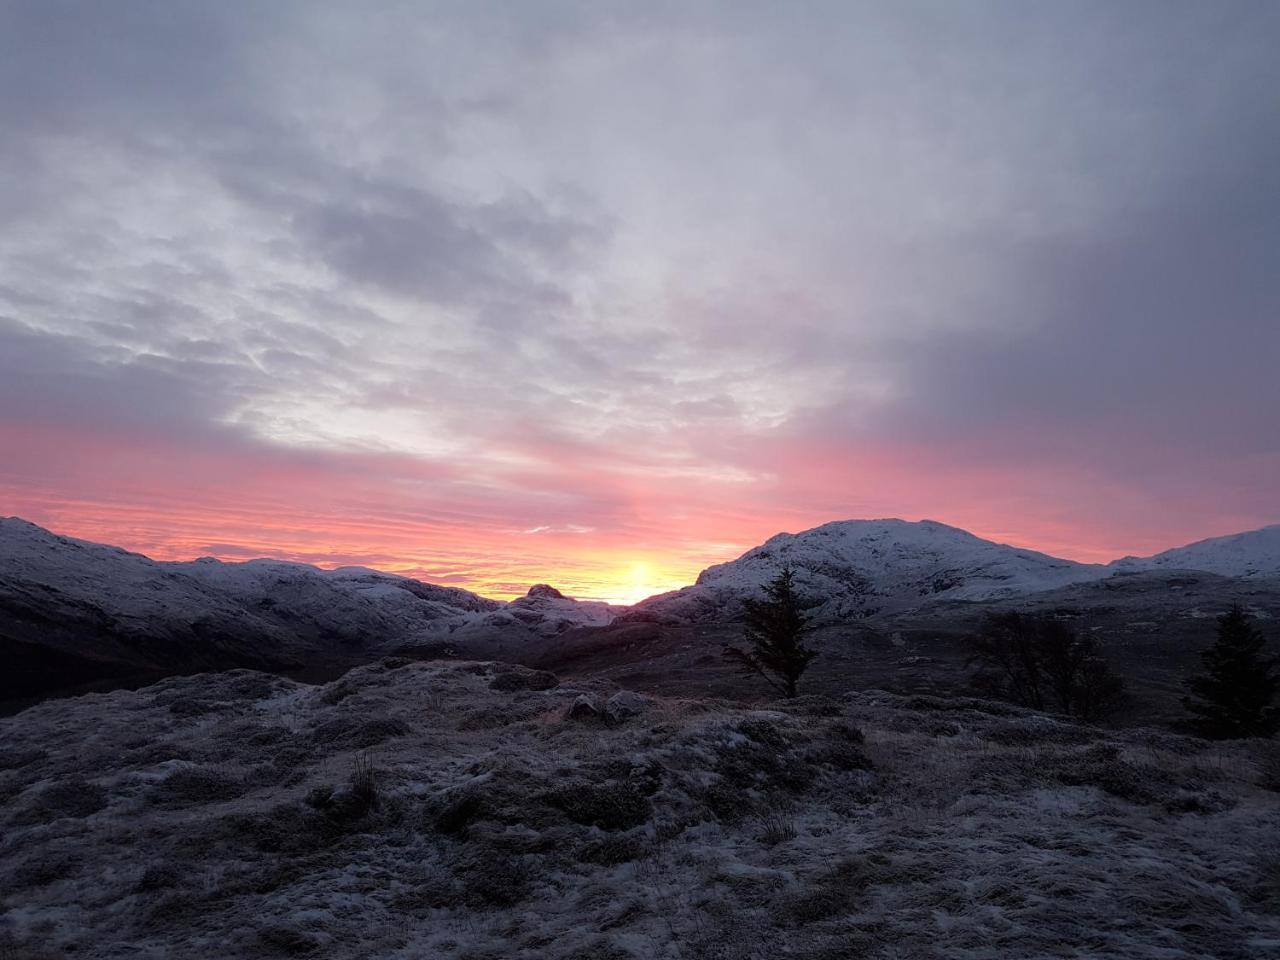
(636, 583)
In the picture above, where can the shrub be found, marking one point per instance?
(289, 828)
(15, 758)
(609, 806)
(726, 803)
(1199, 801)
(777, 824)
(158, 877)
(1102, 767)
(288, 940)
(490, 880)
(1268, 759)
(846, 730)
(192, 786)
(373, 732)
(40, 869)
(840, 755)
(75, 798)
(763, 765)
(457, 814)
(192, 708)
(319, 798)
(829, 894)
(364, 784)
(512, 680)
(613, 849)
(1029, 731)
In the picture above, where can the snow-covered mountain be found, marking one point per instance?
(855, 568)
(1252, 554)
(269, 599)
(548, 612)
(68, 605)
(117, 609)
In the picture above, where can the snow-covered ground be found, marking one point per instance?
(223, 816)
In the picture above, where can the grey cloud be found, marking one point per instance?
(1168, 329)
(1052, 222)
(412, 242)
(61, 380)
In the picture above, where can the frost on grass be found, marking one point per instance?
(460, 810)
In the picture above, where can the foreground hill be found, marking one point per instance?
(226, 816)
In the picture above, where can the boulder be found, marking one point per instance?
(624, 705)
(583, 708)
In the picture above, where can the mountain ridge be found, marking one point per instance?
(70, 606)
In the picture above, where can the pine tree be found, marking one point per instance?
(1233, 697)
(774, 627)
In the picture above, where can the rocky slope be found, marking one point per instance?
(475, 810)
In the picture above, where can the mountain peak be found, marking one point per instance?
(544, 590)
(849, 569)
(1253, 553)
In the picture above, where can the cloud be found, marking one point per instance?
(675, 277)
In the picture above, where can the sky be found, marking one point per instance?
(599, 294)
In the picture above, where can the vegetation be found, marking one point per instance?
(866, 825)
(1042, 663)
(1233, 698)
(774, 628)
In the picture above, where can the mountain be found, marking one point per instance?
(548, 612)
(853, 569)
(1252, 554)
(74, 609)
(74, 613)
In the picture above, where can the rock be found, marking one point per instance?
(583, 708)
(624, 705)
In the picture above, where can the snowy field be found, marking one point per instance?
(469, 810)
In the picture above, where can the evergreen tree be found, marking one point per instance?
(1233, 697)
(774, 627)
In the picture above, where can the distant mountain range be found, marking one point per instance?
(75, 613)
(853, 569)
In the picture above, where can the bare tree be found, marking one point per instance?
(1042, 663)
